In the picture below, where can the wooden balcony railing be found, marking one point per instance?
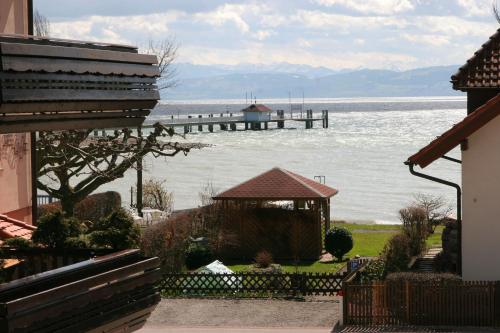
(115, 292)
(48, 84)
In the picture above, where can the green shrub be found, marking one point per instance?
(396, 253)
(198, 255)
(117, 231)
(338, 241)
(76, 243)
(373, 271)
(53, 229)
(433, 278)
(18, 243)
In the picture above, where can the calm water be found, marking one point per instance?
(361, 153)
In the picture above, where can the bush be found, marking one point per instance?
(167, 241)
(396, 253)
(338, 241)
(18, 243)
(435, 278)
(76, 243)
(92, 208)
(156, 196)
(415, 226)
(373, 271)
(198, 255)
(53, 229)
(263, 259)
(117, 231)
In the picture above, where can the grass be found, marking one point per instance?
(369, 240)
(435, 238)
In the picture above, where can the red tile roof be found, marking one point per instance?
(10, 228)
(278, 184)
(257, 108)
(482, 69)
(457, 134)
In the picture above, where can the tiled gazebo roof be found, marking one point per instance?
(257, 108)
(278, 184)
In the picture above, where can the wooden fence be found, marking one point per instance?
(251, 284)
(426, 304)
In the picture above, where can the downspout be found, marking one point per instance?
(459, 207)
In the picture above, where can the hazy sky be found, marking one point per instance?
(332, 33)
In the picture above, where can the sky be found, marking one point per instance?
(338, 34)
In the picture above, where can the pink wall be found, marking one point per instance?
(15, 157)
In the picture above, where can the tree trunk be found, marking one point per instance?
(68, 206)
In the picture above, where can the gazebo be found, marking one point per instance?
(278, 211)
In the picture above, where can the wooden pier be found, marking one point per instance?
(231, 122)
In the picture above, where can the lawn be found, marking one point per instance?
(369, 240)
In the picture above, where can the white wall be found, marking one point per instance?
(481, 204)
(257, 116)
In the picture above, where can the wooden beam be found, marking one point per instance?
(73, 115)
(52, 125)
(49, 51)
(48, 95)
(23, 64)
(32, 107)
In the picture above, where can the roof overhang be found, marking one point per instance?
(54, 84)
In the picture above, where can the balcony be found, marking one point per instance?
(110, 293)
(54, 84)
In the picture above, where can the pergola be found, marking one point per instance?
(280, 185)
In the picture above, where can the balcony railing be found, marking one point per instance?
(112, 293)
(48, 84)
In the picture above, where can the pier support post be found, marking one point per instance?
(186, 129)
(190, 128)
(211, 128)
(281, 115)
(246, 125)
(200, 127)
(232, 126)
(265, 125)
(325, 119)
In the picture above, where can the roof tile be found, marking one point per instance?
(10, 228)
(278, 184)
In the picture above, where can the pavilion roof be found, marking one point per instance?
(278, 184)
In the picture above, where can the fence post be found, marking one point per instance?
(344, 316)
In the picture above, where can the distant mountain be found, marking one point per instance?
(277, 81)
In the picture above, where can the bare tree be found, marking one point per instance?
(166, 51)
(436, 209)
(72, 164)
(41, 25)
(155, 195)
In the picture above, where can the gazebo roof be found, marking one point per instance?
(278, 184)
(257, 108)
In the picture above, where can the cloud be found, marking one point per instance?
(380, 7)
(321, 20)
(476, 7)
(454, 26)
(116, 29)
(231, 13)
(262, 54)
(427, 39)
(263, 34)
